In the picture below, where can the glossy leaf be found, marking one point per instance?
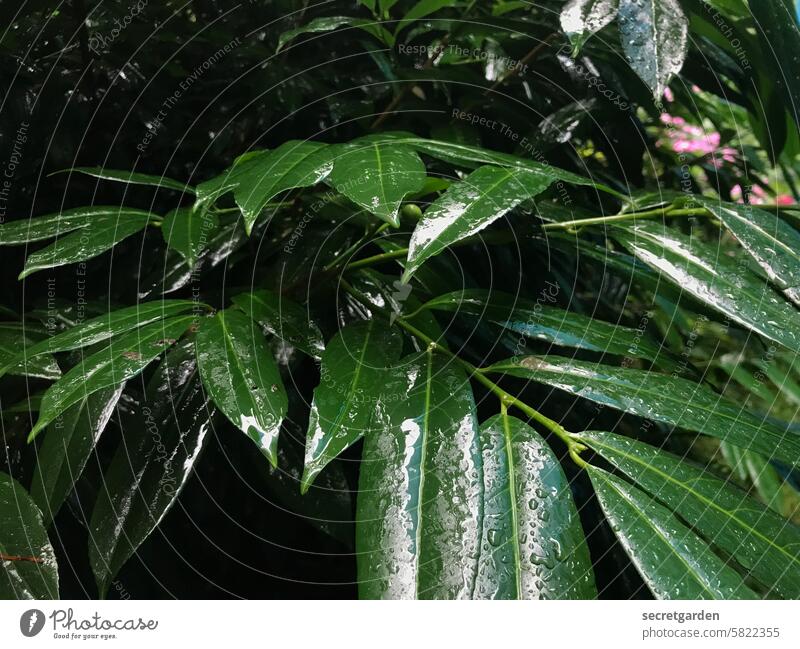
(57, 225)
(103, 234)
(580, 19)
(133, 178)
(774, 244)
(68, 444)
(353, 377)
(282, 318)
(715, 279)
(22, 364)
(654, 35)
(534, 319)
(673, 561)
(421, 9)
(188, 231)
(762, 542)
(468, 207)
(28, 567)
(418, 510)
(123, 358)
(532, 543)
(659, 397)
(150, 468)
(377, 176)
(327, 24)
(242, 377)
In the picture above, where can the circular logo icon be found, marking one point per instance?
(31, 622)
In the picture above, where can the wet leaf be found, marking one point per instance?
(33, 573)
(188, 232)
(58, 225)
(327, 24)
(673, 561)
(242, 377)
(13, 361)
(581, 19)
(133, 178)
(532, 543)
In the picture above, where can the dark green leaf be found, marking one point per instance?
(150, 469)
(328, 24)
(28, 567)
(418, 510)
(133, 178)
(282, 318)
(532, 544)
(654, 35)
(14, 361)
(67, 445)
(580, 19)
(715, 279)
(668, 399)
(123, 358)
(242, 377)
(762, 542)
(673, 561)
(352, 381)
(101, 235)
(188, 231)
(470, 206)
(57, 225)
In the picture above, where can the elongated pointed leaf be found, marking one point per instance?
(133, 178)
(209, 190)
(327, 24)
(765, 544)
(659, 397)
(774, 244)
(28, 567)
(150, 468)
(468, 207)
(532, 543)
(104, 327)
(103, 234)
(418, 517)
(674, 562)
(68, 443)
(242, 377)
(282, 318)
(188, 231)
(534, 319)
(353, 379)
(21, 364)
(123, 358)
(715, 279)
(292, 165)
(377, 176)
(654, 35)
(580, 19)
(54, 225)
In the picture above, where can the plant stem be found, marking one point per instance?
(616, 218)
(505, 397)
(376, 259)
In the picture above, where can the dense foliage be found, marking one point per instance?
(401, 299)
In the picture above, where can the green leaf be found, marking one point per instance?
(420, 10)
(282, 318)
(132, 178)
(327, 24)
(68, 444)
(581, 19)
(294, 164)
(377, 176)
(774, 244)
(56, 225)
(102, 328)
(418, 508)
(534, 319)
(209, 190)
(188, 231)
(673, 561)
(654, 36)
(23, 364)
(150, 469)
(468, 207)
(242, 377)
(123, 358)
(353, 375)
(101, 235)
(532, 543)
(659, 397)
(715, 279)
(763, 543)
(33, 573)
